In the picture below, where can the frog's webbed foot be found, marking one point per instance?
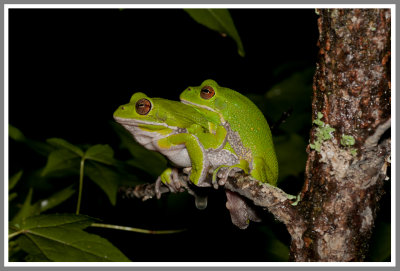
(241, 212)
(170, 179)
(223, 173)
(157, 187)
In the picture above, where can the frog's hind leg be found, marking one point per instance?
(262, 172)
(196, 153)
(241, 212)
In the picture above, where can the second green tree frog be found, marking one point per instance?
(248, 134)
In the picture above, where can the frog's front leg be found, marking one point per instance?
(169, 178)
(196, 152)
(215, 138)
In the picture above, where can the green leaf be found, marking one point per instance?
(14, 180)
(275, 249)
(34, 252)
(57, 220)
(101, 153)
(62, 161)
(105, 178)
(15, 133)
(61, 238)
(218, 20)
(39, 147)
(15, 254)
(12, 196)
(63, 144)
(55, 199)
(291, 153)
(26, 210)
(149, 161)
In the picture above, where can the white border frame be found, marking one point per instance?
(201, 264)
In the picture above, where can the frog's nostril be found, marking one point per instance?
(122, 107)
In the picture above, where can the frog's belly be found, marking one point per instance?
(177, 154)
(178, 157)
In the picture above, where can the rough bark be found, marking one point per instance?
(352, 91)
(333, 216)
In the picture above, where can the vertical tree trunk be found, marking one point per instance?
(344, 182)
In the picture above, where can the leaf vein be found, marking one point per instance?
(65, 243)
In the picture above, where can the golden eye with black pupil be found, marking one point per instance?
(143, 106)
(207, 92)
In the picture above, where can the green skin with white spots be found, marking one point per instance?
(249, 133)
(180, 132)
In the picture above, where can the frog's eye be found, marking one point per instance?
(143, 106)
(207, 92)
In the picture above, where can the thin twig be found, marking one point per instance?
(124, 228)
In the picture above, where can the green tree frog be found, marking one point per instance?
(192, 137)
(179, 132)
(248, 131)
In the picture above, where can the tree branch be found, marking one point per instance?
(275, 200)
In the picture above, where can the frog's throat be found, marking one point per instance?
(135, 122)
(205, 107)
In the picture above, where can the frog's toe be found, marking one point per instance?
(218, 173)
(187, 170)
(170, 179)
(203, 182)
(157, 187)
(224, 177)
(227, 173)
(175, 182)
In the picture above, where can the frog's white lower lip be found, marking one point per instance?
(198, 105)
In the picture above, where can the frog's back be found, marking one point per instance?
(179, 114)
(245, 118)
